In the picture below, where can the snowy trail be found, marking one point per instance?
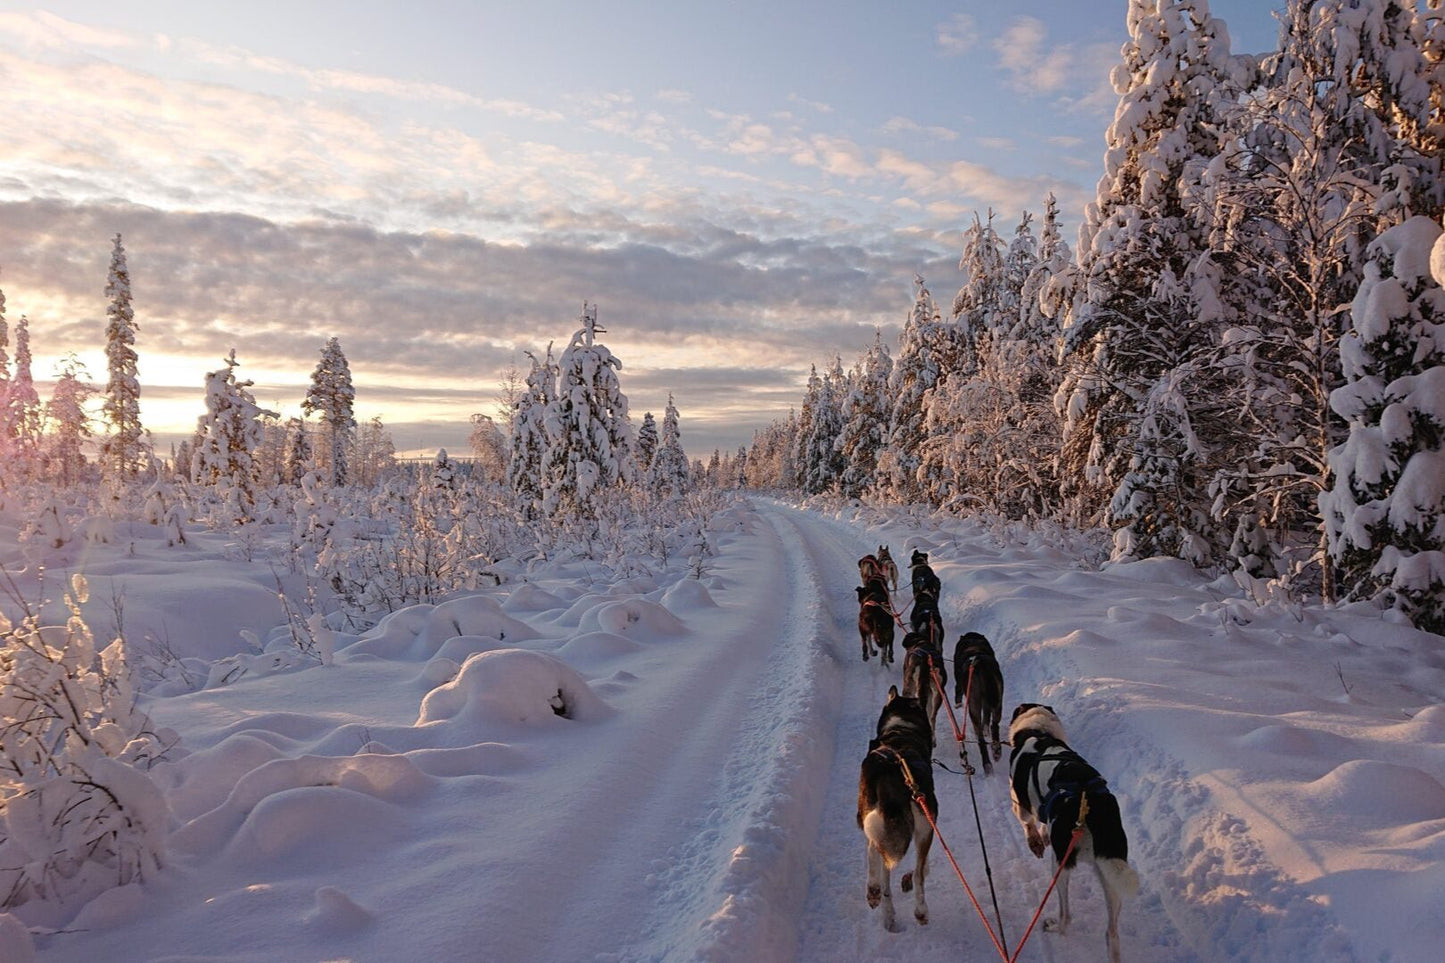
(836, 922)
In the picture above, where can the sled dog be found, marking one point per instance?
(897, 770)
(922, 656)
(924, 618)
(1048, 780)
(875, 621)
(983, 690)
(888, 566)
(922, 575)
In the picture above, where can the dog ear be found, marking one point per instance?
(1022, 708)
(892, 692)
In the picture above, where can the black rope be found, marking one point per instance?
(987, 869)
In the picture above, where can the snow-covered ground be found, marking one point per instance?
(1280, 768)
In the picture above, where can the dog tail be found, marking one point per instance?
(1119, 876)
(889, 829)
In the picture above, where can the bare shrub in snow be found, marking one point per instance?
(78, 812)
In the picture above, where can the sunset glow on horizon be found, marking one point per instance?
(744, 191)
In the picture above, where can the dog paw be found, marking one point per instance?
(875, 896)
(1036, 846)
(906, 883)
(922, 916)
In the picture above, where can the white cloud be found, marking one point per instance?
(46, 30)
(904, 125)
(957, 35)
(813, 105)
(997, 143)
(1031, 65)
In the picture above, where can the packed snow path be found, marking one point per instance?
(836, 922)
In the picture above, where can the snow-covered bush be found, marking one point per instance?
(78, 811)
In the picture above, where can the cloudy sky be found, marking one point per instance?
(743, 188)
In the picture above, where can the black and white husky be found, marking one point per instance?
(897, 769)
(1048, 782)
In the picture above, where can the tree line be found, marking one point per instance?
(1243, 362)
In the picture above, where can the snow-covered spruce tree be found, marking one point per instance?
(23, 402)
(589, 437)
(298, 460)
(78, 813)
(332, 397)
(528, 442)
(962, 414)
(918, 367)
(125, 452)
(443, 472)
(228, 435)
(1138, 337)
(67, 422)
(865, 411)
(667, 475)
(801, 437)
(765, 456)
(646, 443)
(789, 471)
(822, 463)
(1027, 359)
(740, 467)
(1385, 515)
(1326, 159)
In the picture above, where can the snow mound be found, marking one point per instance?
(511, 687)
(1427, 725)
(529, 597)
(592, 649)
(337, 913)
(321, 825)
(438, 671)
(15, 943)
(393, 778)
(113, 907)
(471, 615)
(202, 781)
(1159, 571)
(1295, 742)
(637, 585)
(483, 758)
(422, 635)
(1378, 793)
(635, 618)
(459, 648)
(687, 595)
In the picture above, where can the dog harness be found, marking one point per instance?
(1072, 776)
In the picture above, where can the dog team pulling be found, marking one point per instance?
(1060, 800)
